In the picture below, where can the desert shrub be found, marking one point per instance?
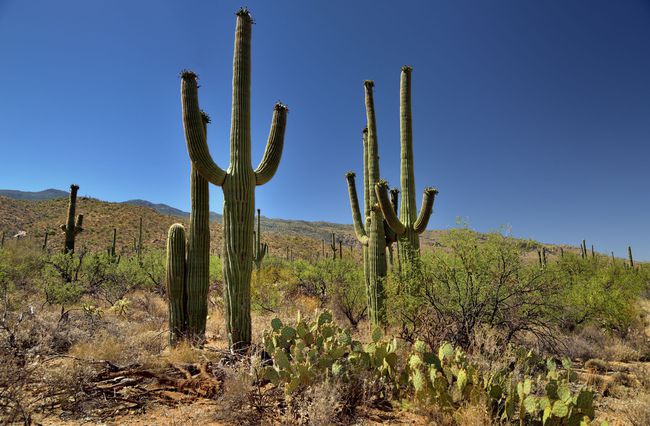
(62, 279)
(449, 296)
(270, 285)
(596, 291)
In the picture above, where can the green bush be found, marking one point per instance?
(596, 291)
(479, 282)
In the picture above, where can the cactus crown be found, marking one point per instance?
(74, 187)
(407, 68)
(369, 83)
(383, 183)
(245, 13)
(279, 106)
(430, 190)
(206, 117)
(394, 191)
(188, 74)
(350, 174)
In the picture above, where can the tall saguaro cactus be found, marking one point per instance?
(407, 227)
(371, 234)
(188, 291)
(238, 182)
(70, 228)
(260, 248)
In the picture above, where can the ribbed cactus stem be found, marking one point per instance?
(2, 240)
(45, 240)
(629, 255)
(238, 181)
(198, 258)
(371, 234)
(340, 249)
(333, 245)
(593, 252)
(175, 281)
(140, 239)
(260, 249)
(111, 250)
(409, 224)
(70, 228)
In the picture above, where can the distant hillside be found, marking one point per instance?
(303, 239)
(48, 194)
(168, 210)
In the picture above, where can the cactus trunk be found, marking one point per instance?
(70, 228)
(371, 234)
(198, 258)
(175, 279)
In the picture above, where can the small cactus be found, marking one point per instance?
(333, 246)
(260, 249)
(629, 256)
(70, 228)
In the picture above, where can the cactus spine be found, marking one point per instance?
(260, 248)
(70, 228)
(371, 235)
(407, 227)
(238, 181)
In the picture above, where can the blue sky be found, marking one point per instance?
(529, 114)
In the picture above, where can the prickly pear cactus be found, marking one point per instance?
(309, 352)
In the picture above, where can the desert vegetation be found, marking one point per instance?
(474, 330)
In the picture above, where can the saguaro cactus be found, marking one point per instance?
(70, 228)
(238, 181)
(371, 234)
(333, 246)
(407, 227)
(629, 256)
(189, 322)
(260, 248)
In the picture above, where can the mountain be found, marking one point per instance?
(303, 239)
(48, 194)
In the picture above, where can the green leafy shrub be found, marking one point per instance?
(482, 281)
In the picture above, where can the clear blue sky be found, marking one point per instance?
(531, 114)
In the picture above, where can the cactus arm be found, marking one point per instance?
(175, 281)
(381, 189)
(366, 186)
(356, 213)
(79, 226)
(273, 152)
(425, 210)
(197, 145)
